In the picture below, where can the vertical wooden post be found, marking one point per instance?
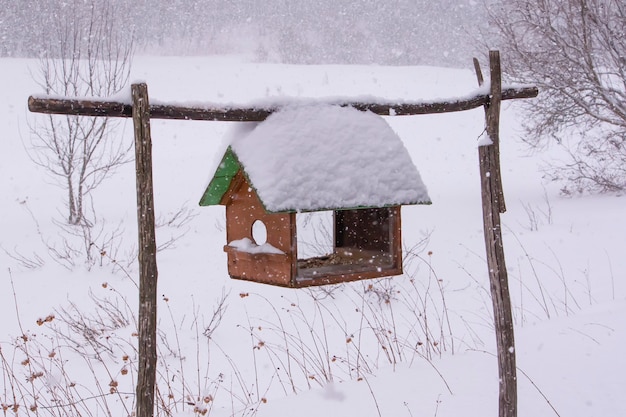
(493, 205)
(146, 377)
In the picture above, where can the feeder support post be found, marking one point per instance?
(493, 206)
(147, 331)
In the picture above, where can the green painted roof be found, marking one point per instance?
(226, 171)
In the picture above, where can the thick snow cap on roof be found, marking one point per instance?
(324, 157)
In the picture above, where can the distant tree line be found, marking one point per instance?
(396, 32)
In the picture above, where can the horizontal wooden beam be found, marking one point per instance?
(106, 108)
(443, 106)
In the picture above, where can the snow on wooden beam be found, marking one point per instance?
(108, 108)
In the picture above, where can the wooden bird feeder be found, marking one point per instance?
(309, 159)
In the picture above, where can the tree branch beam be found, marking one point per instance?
(107, 108)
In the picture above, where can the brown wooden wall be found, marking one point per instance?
(243, 208)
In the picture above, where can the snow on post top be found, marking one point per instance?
(323, 157)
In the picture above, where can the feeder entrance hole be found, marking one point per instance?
(259, 232)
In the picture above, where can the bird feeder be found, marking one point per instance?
(311, 159)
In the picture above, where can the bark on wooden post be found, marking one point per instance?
(146, 376)
(493, 205)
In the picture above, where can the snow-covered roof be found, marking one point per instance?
(321, 157)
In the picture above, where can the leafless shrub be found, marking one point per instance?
(538, 215)
(77, 330)
(33, 261)
(310, 339)
(172, 226)
(85, 364)
(43, 371)
(575, 52)
(90, 245)
(100, 244)
(86, 55)
(218, 314)
(352, 329)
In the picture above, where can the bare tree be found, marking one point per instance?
(575, 51)
(86, 54)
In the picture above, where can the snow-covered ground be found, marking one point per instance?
(420, 344)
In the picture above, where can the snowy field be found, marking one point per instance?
(416, 345)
